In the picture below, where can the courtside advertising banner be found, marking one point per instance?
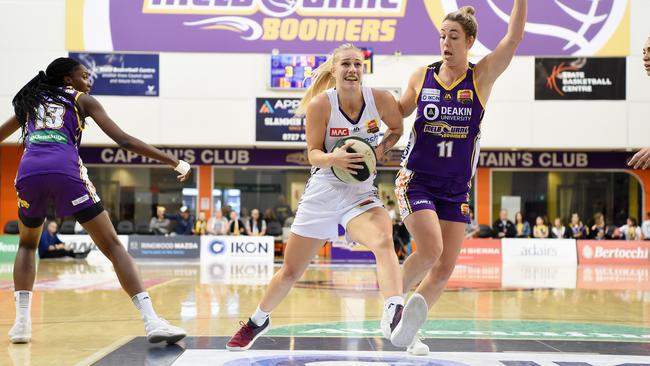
(543, 275)
(556, 252)
(604, 277)
(613, 252)
(237, 272)
(582, 78)
(276, 121)
(122, 74)
(179, 247)
(561, 28)
(480, 251)
(240, 248)
(476, 276)
(8, 248)
(82, 243)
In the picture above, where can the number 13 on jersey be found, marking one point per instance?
(445, 149)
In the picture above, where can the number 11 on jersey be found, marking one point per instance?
(445, 148)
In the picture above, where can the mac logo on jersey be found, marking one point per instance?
(430, 112)
(553, 27)
(339, 132)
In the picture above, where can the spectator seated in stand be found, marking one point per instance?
(217, 224)
(504, 228)
(255, 225)
(630, 230)
(273, 225)
(184, 222)
(522, 226)
(50, 246)
(160, 224)
(540, 231)
(559, 230)
(235, 225)
(598, 229)
(578, 229)
(201, 225)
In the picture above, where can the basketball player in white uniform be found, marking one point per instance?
(642, 158)
(349, 109)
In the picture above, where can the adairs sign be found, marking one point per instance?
(613, 253)
(559, 252)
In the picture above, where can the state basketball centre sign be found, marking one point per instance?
(582, 28)
(585, 78)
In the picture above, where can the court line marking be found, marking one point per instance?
(162, 284)
(98, 355)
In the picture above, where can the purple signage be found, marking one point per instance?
(317, 26)
(548, 160)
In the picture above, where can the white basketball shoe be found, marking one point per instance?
(159, 330)
(21, 332)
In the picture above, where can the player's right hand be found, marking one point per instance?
(641, 160)
(341, 158)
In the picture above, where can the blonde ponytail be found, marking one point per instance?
(323, 78)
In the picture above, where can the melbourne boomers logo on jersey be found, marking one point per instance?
(345, 20)
(554, 27)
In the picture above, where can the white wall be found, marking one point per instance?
(209, 99)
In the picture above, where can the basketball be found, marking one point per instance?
(369, 161)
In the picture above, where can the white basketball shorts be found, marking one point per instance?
(325, 205)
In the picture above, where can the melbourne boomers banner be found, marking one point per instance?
(316, 26)
(121, 74)
(580, 78)
(275, 120)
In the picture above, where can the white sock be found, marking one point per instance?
(259, 316)
(23, 304)
(142, 302)
(391, 304)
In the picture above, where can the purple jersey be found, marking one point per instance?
(444, 142)
(53, 138)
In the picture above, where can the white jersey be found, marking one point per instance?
(340, 125)
(327, 202)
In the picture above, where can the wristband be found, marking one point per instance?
(183, 167)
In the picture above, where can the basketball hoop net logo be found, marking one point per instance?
(561, 27)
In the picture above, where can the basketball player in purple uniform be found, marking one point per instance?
(440, 159)
(641, 160)
(51, 111)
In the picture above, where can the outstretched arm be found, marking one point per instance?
(392, 117)
(407, 102)
(641, 160)
(9, 127)
(95, 110)
(495, 63)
